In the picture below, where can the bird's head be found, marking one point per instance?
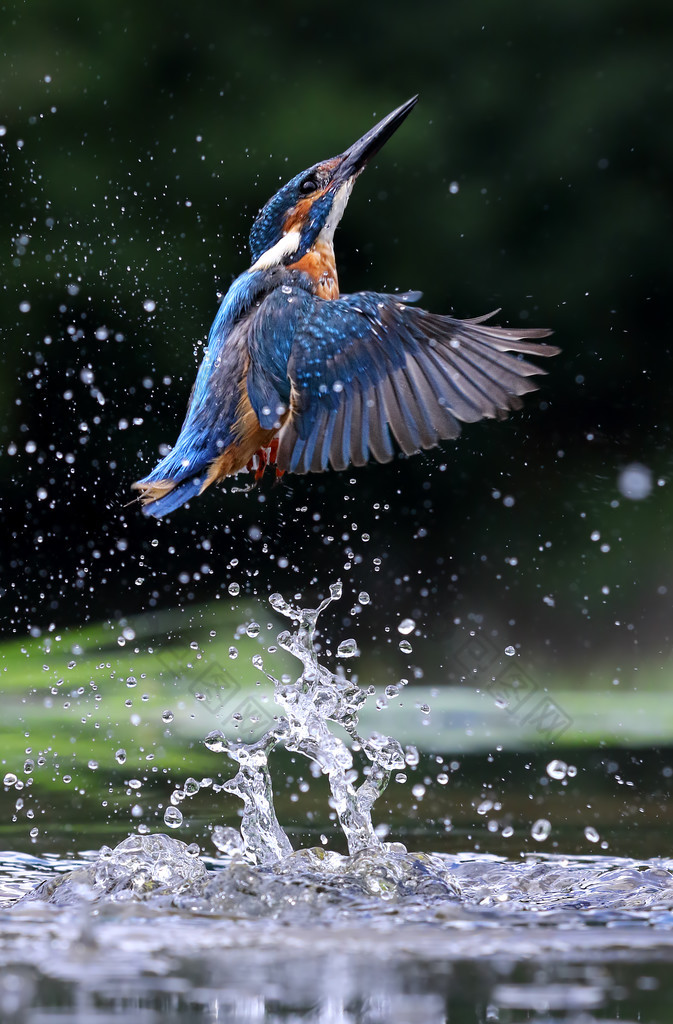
(310, 206)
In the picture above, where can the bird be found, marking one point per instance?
(298, 376)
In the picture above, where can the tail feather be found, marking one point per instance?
(160, 497)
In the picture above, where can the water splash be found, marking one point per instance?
(281, 921)
(317, 697)
(328, 938)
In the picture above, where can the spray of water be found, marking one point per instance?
(260, 873)
(262, 877)
(317, 699)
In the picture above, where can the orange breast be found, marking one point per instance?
(320, 265)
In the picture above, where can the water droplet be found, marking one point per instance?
(540, 830)
(509, 651)
(173, 817)
(363, 597)
(120, 756)
(635, 481)
(405, 647)
(411, 755)
(215, 741)
(279, 604)
(557, 769)
(191, 787)
(252, 629)
(258, 661)
(233, 652)
(167, 716)
(10, 779)
(234, 589)
(347, 649)
(406, 626)
(149, 305)
(591, 834)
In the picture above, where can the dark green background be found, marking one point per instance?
(140, 141)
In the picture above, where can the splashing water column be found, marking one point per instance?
(317, 697)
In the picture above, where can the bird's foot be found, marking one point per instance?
(262, 458)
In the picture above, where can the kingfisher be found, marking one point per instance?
(297, 376)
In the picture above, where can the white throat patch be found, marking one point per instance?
(337, 211)
(289, 243)
(274, 256)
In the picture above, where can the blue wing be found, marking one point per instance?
(366, 365)
(333, 380)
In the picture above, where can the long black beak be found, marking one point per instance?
(360, 153)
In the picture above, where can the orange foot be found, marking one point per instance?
(263, 458)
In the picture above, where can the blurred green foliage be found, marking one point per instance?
(103, 729)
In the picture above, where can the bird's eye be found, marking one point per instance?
(308, 185)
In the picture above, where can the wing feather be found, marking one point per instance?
(421, 413)
(321, 454)
(502, 370)
(313, 450)
(444, 425)
(399, 416)
(379, 436)
(487, 394)
(359, 430)
(364, 366)
(341, 445)
(456, 392)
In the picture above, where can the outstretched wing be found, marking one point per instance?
(366, 365)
